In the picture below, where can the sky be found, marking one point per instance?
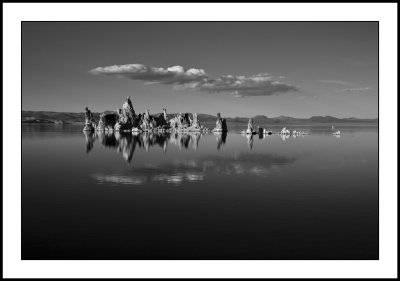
(297, 69)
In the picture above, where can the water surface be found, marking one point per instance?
(195, 196)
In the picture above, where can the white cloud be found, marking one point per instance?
(337, 82)
(354, 89)
(262, 84)
(240, 86)
(170, 75)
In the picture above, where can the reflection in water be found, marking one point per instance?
(107, 139)
(221, 139)
(126, 143)
(186, 139)
(180, 140)
(297, 199)
(120, 180)
(249, 138)
(284, 136)
(148, 140)
(193, 170)
(90, 137)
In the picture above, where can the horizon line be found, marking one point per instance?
(215, 115)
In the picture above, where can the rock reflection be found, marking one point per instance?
(126, 143)
(107, 139)
(184, 140)
(284, 136)
(90, 138)
(249, 141)
(221, 139)
(195, 137)
(148, 140)
(180, 171)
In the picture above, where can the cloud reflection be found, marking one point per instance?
(180, 171)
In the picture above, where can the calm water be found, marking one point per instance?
(124, 196)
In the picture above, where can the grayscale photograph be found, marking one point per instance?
(214, 140)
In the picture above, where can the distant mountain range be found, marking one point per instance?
(51, 117)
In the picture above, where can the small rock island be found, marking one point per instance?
(126, 120)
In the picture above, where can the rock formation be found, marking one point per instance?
(125, 120)
(220, 124)
(165, 115)
(195, 124)
(90, 125)
(183, 123)
(160, 121)
(285, 131)
(137, 122)
(299, 133)
(266, 132)
(185, 120)
(173, 123)
(126, 116)
(147, 124)
(250, 126)
(127, 110)
(107, 121)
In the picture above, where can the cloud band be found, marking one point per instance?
(262, 84)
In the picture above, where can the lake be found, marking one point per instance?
(200, 196)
